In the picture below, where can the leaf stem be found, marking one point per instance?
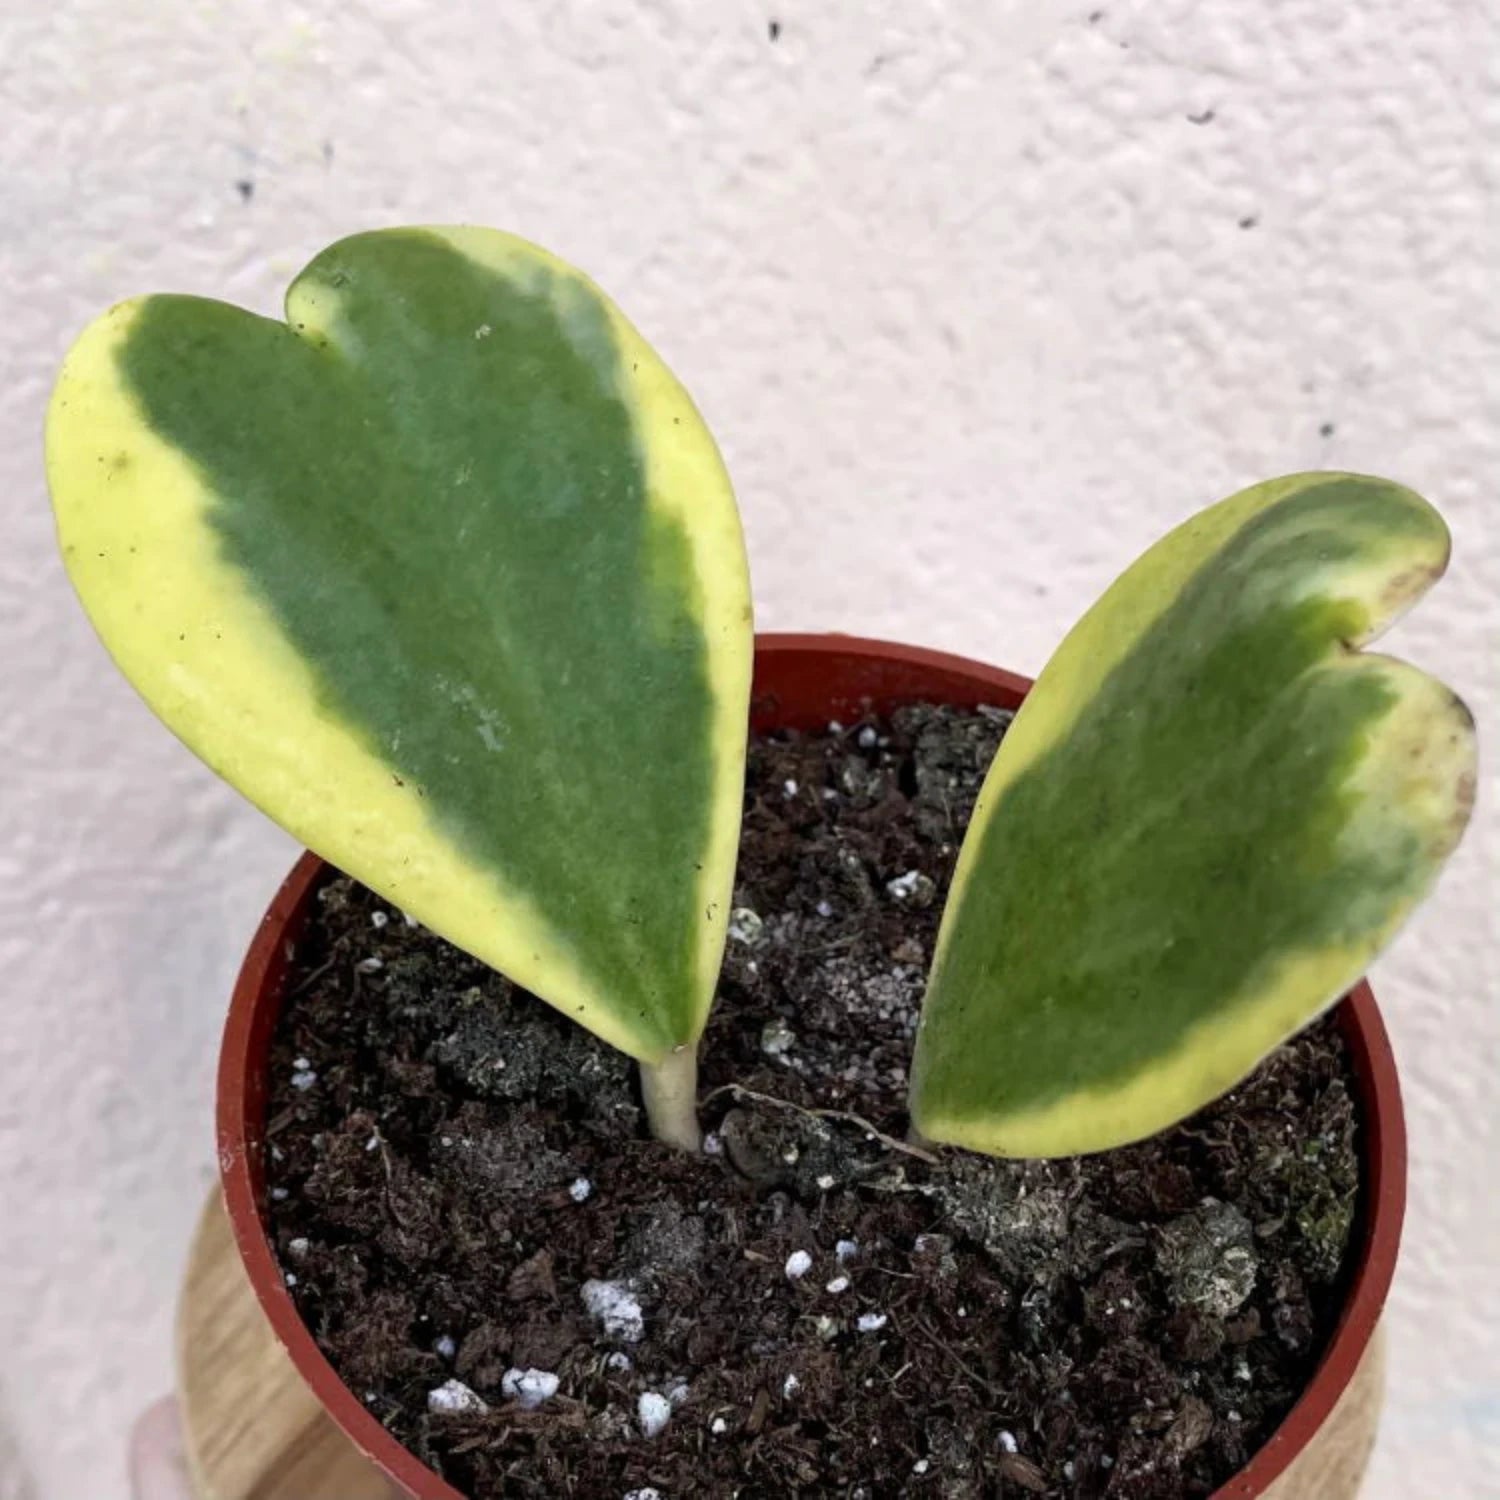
(670, 1091)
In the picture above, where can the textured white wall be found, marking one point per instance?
(976, 309)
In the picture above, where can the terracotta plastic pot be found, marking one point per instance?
(801, 681)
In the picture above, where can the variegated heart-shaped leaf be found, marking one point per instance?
(1211, 813)
(445, 574)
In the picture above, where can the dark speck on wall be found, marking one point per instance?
(773, 30)
(1326, 430)
(1249, 221)
(246, 189)
(1095, 17)
(1201, 118)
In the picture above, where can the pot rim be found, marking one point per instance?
(791, 690)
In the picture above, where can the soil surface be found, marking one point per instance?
(520, 1286)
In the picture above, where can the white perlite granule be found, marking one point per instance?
(845, 1251)
(453, 1397)
(652, 1413)
(789, 1387)
(649, 1493)
(837, 1285)
(615, 1308)
(745, 926)
(529, 1388)
(777, 1038)
(579, 1189)
(871, 1322)
(798, 1264)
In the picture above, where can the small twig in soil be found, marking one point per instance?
(889, 1142)
(833, 945)
(933, 1339)
(310, 980)
(759, 1409)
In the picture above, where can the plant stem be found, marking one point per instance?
(670, 1090)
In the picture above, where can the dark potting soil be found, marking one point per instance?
(461, 1188)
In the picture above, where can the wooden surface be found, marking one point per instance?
(1334, 1464)
(253, 1431)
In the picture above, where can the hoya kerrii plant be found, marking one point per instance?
(444, 573)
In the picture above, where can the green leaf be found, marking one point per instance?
(445, 574)
(1210, 814)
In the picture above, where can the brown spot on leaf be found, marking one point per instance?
(1464, 794)
(1408, 584)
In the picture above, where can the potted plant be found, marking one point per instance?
(445, 574)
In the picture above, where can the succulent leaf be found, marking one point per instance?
(1210, 814)
(445, 574)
